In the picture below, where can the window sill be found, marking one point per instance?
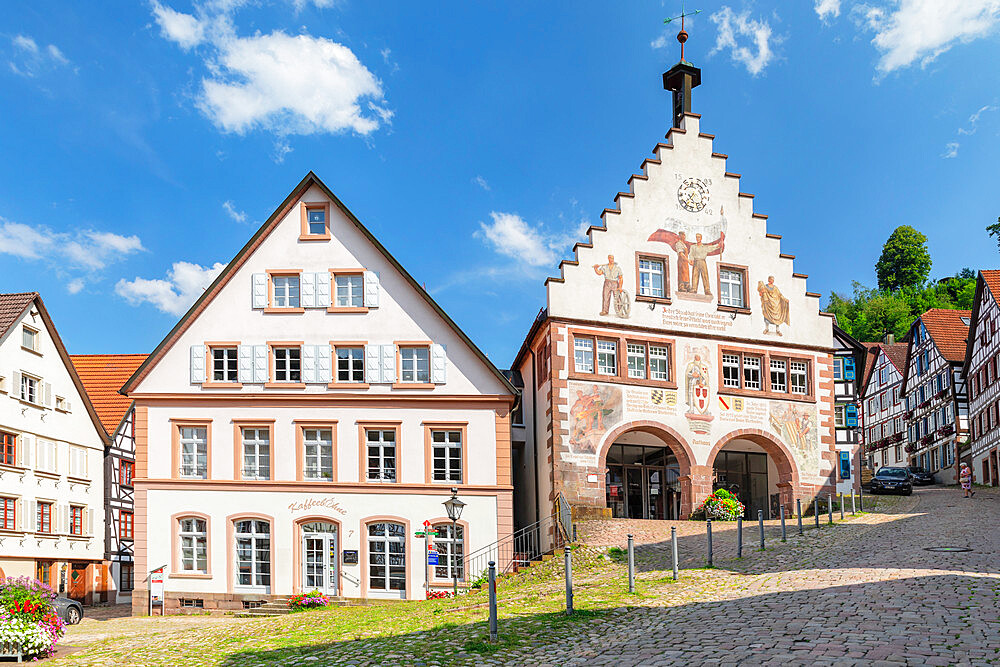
(12, 468)
(315, 237)
(189, 575)
(33, 351)
(292, 311)
(284, 385)
(6, 532)
(221, 385)
(616, 379)
(447, 583)
(665, 300)
(413, 385)
(733, 309)
(347, 309)
(30, 404)
(750, 393)
(47, 536)
(79, 538)
(78, 480)
(46, 475)
(348, 385)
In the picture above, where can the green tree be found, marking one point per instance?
(994, 230)
(905, 261)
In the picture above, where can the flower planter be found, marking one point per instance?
(29, 624)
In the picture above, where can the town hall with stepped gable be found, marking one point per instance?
(679, 352)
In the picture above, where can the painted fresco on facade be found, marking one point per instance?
(612, 293)
(594, 410)
(773, 305)
(688, 242)
(697, 392)
(795, 424)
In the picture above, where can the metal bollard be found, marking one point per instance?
(631, 564)
(708, 527)
(816, 510)
(739, 537)
(841, 505)
(494, 632)
(673, 548)
(798, 509)
(760, 525)
(568, 557)
(854, 509)
(861, 500)
(829, 506)
(781, 511)
(574, 534)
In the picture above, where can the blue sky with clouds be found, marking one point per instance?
(143, 143)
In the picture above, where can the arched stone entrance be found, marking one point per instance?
(646, 470)
(758, 468)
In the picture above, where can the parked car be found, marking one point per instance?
(892, 480)
(919, 476)
(70, 611)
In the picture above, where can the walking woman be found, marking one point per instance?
(965, 476)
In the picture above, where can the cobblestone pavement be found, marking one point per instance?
(863, 593)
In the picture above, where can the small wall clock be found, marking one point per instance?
(693, 194)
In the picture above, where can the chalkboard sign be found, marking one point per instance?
(350, 556)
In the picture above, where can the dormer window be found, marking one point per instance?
(315, 221)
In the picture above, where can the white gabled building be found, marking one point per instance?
(883, 429)
(305, 417)
(981, 370)
(51, 458)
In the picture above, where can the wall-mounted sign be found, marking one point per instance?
(350, 556)
(432, 557)
(328, 503)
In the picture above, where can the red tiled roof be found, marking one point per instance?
(103, 375)
(992, 278)
(896, 353)
(948, 331)
(11, 307)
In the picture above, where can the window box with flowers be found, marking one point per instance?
(924, 404)
(927, 439)
(941, 394)
(910, 448)
(28, 619)
(946, 430)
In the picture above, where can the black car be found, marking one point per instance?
(892, 480)
(919, 476)
(70, 611)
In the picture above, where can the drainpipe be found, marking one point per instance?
(534, 432)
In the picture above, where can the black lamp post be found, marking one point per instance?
(454, 507)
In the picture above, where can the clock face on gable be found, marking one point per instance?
(693, 194)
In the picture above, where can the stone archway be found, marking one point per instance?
(788, 483)
(671, 439)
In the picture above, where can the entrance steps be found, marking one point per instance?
(279, 607)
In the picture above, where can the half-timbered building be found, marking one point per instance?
(981, 370)
(883, 431)
(848, 358)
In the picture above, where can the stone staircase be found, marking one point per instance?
(279, 607)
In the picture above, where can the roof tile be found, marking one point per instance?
(103, 375)
(949, 331)
(11, 307)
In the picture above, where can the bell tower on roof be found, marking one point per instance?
(683, 77)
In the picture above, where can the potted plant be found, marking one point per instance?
(720, 506)
(29, 623)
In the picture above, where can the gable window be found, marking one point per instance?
(29, 389)
(659, 368)
(636, 360)
(317, 446)
(315, 221)
(583, 355)
(652, 272)
(285, 291)
(415, 364)
(8, 449)
(225, 366)
(732, 285)
(43, 518)
(126, 472)
(607, 357)
(287, 364)
(349, 290)
(75, 520)
(194, 544)
(350, 364)
(125, 525)
(779, 376)
(193, 451)
(29, 338)
(256, 453)
(446, 455)
(45, 454)
(381, 454)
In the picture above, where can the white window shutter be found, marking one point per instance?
(90, 520)
(259, 290)
(63, 518)
(24, 450)
(371, 289)
(439, 363)
(388, 363)
(309, 364)
(245, 360)
(18, 514)
(324, 372)
(307, 290)
(197, 364)
(373, 364)
(15, 387)
(323, 290)
(260, 364)
(47, 394)
(69, 407)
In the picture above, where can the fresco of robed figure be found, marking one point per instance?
(692, 264)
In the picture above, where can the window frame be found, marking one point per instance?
(766, 391)
(8, 513)
(335, 383)
(622, 341)
(8, 449)
(303, 425)
(463, 527)
(283, 273)
(363, 428)
(26, 381)
(43, 514)
(36, 339)
(332, 307)
(238, 447)
(665, 262)
(123, 479)
(413, 344)
(126, 525)
(179, 571)
(177, 457)
(75, 527)
(429, 445)
(126, 581)
(253, 536)
(272, 365)
(210, 348)
(736, 268)
(304, 232)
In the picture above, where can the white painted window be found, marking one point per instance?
(659, 369)
(29, 389)
(256, 453)
(838, 416)
(350, 290)
(194, 544)
(61, 404)
(29, 338)
(318, 446)
(446, 455)
(636, 360)
(225, 366)
(731, 370)
(286, 291)
(253, 554)
(651, 277)
(838, 368)
(386, 557)
(287, 364)
(414, 364)
(194, 452)
(45, 455)
(779, 375)
(381, 446)
(751, 372)
(607, 357)
(731, 288)
(799, 377)
(316, 218)
(583, 355)
(350, 364)
(77, 461)
(450, 548)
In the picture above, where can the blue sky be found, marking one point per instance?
(143, 143)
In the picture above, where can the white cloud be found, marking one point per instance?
(950, 150)
(661, 41)
(184, 283)
(75, 286)
(974, 120)
(747, 40)
(230, 208)
(481, 182)
(281, 150)
(918, 31)
(276, 82)
(827, 8)
(83, 249)
(29, 60)
(510, 235)
(25, 43)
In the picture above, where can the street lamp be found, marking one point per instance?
(454, 506)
